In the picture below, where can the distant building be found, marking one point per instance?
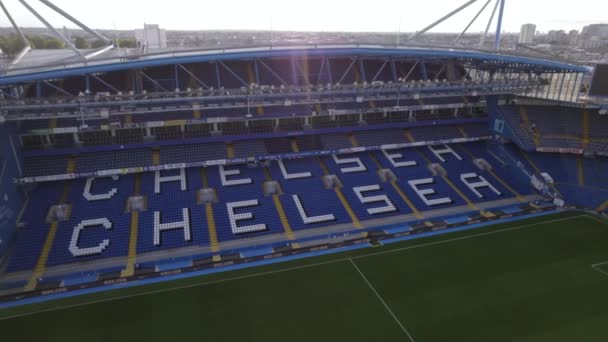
(594, 42)
(573, 38)
(558, 37)
(151, 37)
(594, 36)
(596, 30)
(526, 34)
(3, 60)
(66, 33)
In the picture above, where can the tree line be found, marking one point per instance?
(12, 44)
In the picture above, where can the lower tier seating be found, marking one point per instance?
(581, 181)
(223, 205)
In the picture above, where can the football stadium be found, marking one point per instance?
(303, 193)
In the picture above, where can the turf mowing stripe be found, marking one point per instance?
(381, 300)
(296, 268)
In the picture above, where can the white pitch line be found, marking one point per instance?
(289, 268)
(600, 264)
(382, 301)
(595, 218)
(599, 269)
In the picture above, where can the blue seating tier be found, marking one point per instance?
(247, 207)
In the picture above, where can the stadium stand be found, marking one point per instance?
(192, 153)
(378, 138)
(558, 127)
(252, 157)
(435, 133)
(98, 223)
(249, 148)
(335, 141)
(581, 180)
(185, 153)
(44, 165)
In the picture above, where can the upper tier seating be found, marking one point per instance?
(44, 165)
(309, 143)
(436, 133)
(378, 138)
(108, 160)
(598, 127)
(192, 153)
(188, 153)
(335, 141)
(556, 120)
(476, 130)
(249, 148)
(561, 127)
(278, 145)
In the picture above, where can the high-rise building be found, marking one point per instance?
(597, 30)
(558, 37)
(573, 37)
(594, 36)
(151, 37)
(526, 34)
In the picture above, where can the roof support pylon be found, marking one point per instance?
(472, 21)
(27, 46)
(485, 34)
(76, 21)
(50, 27)
(499, 25)
(85, 56)
(444, 18)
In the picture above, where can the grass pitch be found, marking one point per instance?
(540, 279)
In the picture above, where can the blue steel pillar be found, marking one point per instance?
(425, 75)
(294, 70)
(394, 70)
(87, 81)
(330, 78)
(11, 194)
(175, 77)
(217, 75)
(362, 70)
(499, 25)
(256, 70)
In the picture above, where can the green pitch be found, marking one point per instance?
(535, 280)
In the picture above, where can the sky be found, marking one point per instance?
(311, 15)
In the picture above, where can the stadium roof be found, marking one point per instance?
(50, 64)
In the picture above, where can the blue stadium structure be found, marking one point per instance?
(129, 166)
